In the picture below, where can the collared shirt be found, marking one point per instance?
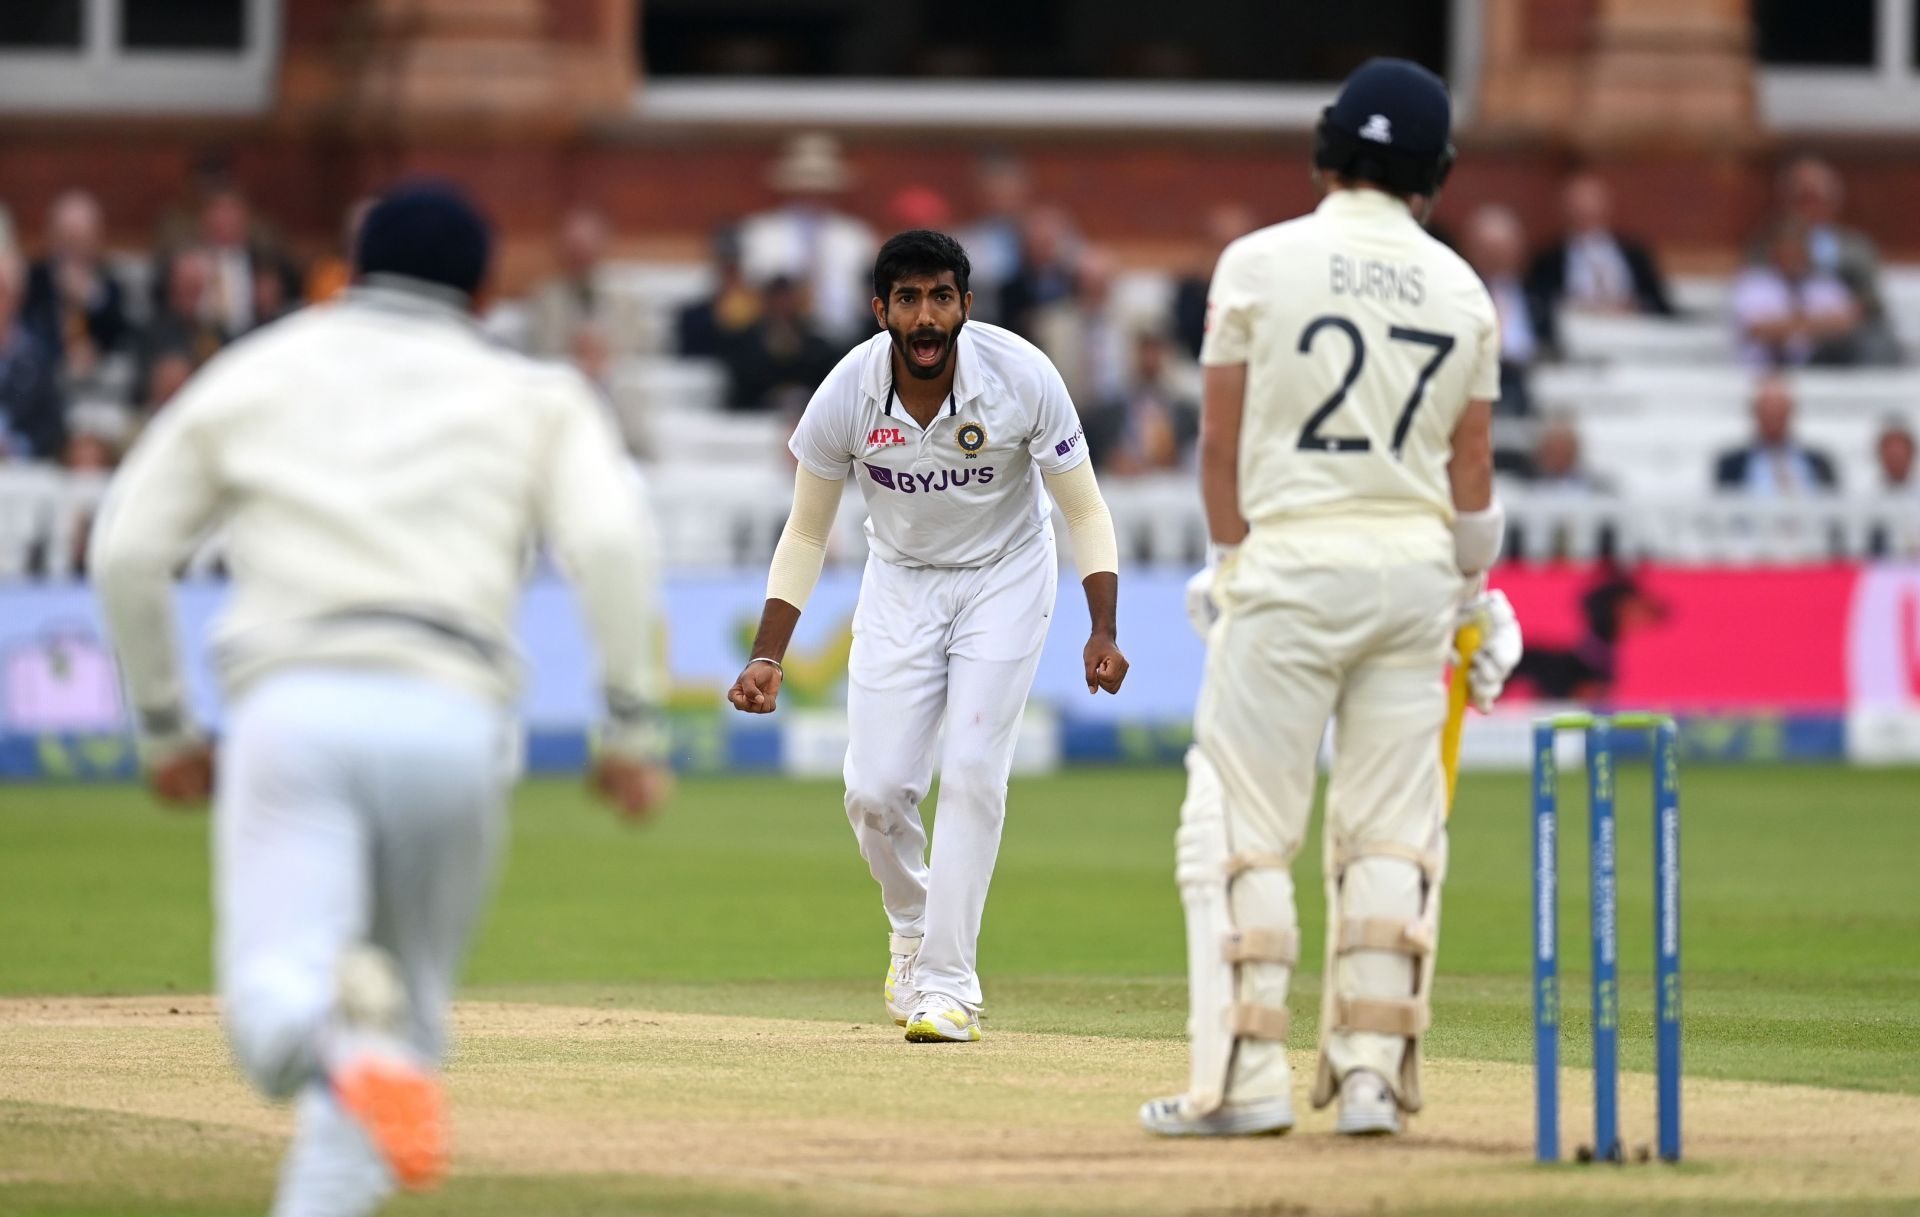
(1364, 339)
(960, 491)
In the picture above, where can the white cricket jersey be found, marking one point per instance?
(382, 470)
(1364, 340)
(962, 491)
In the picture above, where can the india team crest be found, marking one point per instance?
(971, 437)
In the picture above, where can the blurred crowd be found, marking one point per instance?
(90, 347)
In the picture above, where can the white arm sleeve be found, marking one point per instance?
(164, 496)
(1089, 524)
(1477, 536)
(592, 512)
(802, 549)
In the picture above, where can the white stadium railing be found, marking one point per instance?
(714, 518)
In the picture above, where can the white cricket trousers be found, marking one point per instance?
(1351, 625)
(930, 643)
(353, 806)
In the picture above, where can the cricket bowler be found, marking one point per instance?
(944, 425)
(380, 469)
(1351, 363)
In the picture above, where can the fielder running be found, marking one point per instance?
(943, 425)
(1351, 362)
(380, 468)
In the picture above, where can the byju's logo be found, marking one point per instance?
(1377, 129)
(907, 482)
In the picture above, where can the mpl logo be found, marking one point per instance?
(885, 437)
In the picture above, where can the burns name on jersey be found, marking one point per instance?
(1365, 278)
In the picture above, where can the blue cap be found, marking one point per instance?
(1397, 104)
(427, 230)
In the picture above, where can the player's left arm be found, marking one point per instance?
(1059, 451)
(1096, 555)
(163, 498)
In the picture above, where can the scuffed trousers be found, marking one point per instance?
(353, 806)
(1362, 642)
(928, 644)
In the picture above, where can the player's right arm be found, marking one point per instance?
(797, 561)
(163, 498)
(823, 451)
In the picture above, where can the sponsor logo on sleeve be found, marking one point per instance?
(1070, 443)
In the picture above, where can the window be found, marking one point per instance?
(40, 24)
(1839, 65)
(184, 25)
(157, 56)
(1112, 63)
(1826, 33)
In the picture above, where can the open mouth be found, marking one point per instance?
(927, 349)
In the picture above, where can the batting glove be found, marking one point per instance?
(1203, 608)
(1500, 646)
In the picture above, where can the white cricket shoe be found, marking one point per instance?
(939, 1019)
(1367, 1106)
(1171, 1117)
(900, 996)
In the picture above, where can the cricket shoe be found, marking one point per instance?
(939, 1019)
(378, 1078)
(900, 996)
(1367, 1106)
(1172, 1117)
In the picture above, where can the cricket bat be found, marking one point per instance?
(1466, 642)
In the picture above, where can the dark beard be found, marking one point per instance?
(906, 357)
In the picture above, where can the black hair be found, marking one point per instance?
(916, 252)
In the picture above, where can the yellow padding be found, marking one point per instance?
(1240, 864)
(1261, 946)
(1260, 1022)
(1428, 862)
(1381, 1015)
(1380, 934)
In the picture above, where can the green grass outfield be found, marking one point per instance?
(1801, 947)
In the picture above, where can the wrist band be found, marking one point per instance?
(764, 659)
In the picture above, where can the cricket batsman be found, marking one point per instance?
(380, 469)
(1351, 364)
(949, 429)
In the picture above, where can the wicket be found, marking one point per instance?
(1603, 915)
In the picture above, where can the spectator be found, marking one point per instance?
(7, 244)
(781, 358)
(1496, 248)
(1593, 268)
(33, 422)
(1774, 465)
(993, 240)
(1083, 334)
(74, 306)
(1893, 452)
(705, 327)
(179, 327)
(1789, 312)
(1155, 422)
(1556, 467)
(234, 257)
(1226, 223)
(1045, 273)
(828, 255)
(1810, 197)
(576, 296)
